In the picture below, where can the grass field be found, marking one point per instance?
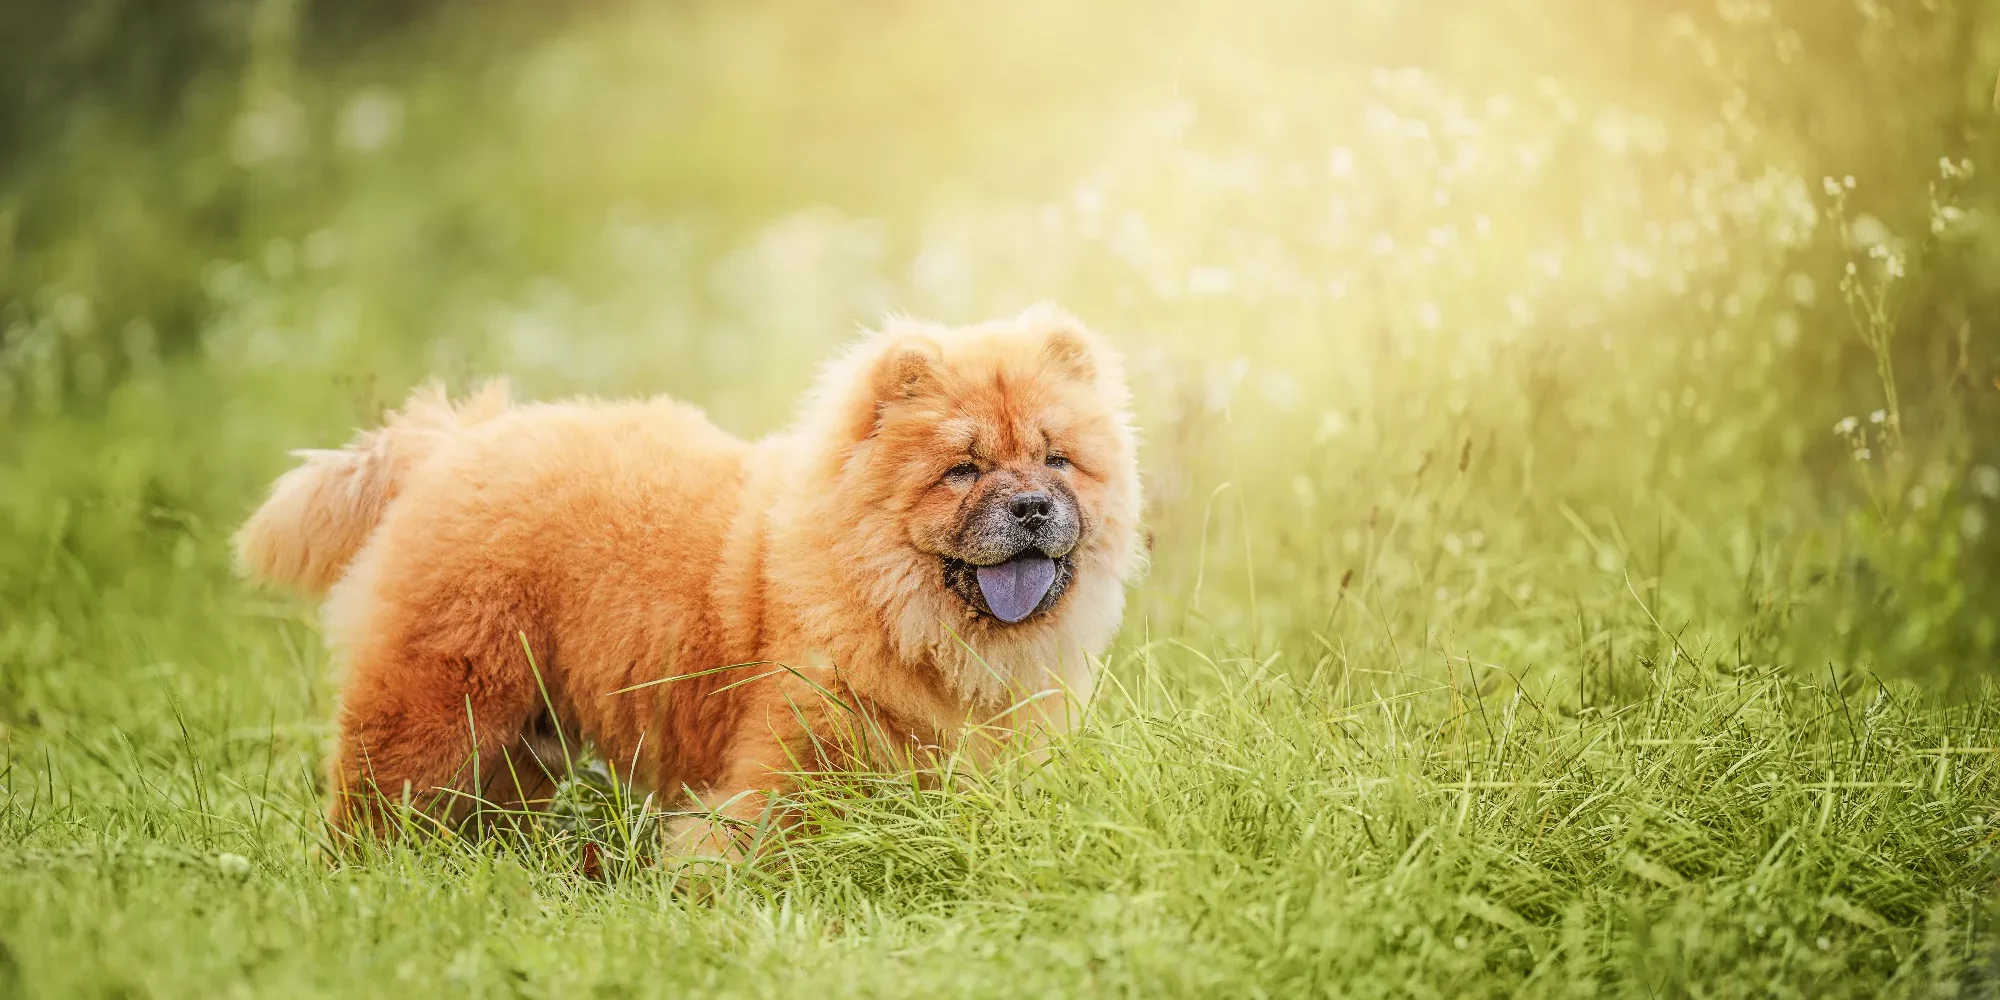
(1567, 437)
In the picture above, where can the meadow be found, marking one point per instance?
(1568, 438)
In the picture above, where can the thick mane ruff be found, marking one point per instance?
(858, 525)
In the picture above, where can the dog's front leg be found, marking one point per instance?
(726, 824)
(727, 820)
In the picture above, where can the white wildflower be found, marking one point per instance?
(1280, 389)
(1341, 163)
(1210, 281)
(1868, 231)
(1304, 491)
(1331, 425)
(370, 120)
(1986, 479)
(1785, 329)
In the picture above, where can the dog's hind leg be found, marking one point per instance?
(528, 774)
(433, 739)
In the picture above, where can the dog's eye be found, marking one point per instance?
(963, 470)
(1055, 461)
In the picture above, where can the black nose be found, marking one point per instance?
(1031, 508)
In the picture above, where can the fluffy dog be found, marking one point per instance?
(934, 550)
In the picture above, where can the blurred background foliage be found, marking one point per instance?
(1524, 332)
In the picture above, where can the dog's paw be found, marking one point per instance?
(700, 855)
(705, 840)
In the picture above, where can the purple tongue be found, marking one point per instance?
(1014, 588)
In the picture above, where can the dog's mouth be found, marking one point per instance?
(1012, 591)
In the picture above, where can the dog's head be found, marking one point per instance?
(989, 483)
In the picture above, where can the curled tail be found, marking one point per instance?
(319, 514)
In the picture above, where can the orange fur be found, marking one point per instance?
(319, 514)
(621, 544)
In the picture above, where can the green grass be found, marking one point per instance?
(1294, 824)
(1515, 623)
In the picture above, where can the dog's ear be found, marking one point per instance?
(1068, 351)
(911, 368)
(1066, 345)
(897, 367)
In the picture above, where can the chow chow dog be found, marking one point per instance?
(924, 564)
